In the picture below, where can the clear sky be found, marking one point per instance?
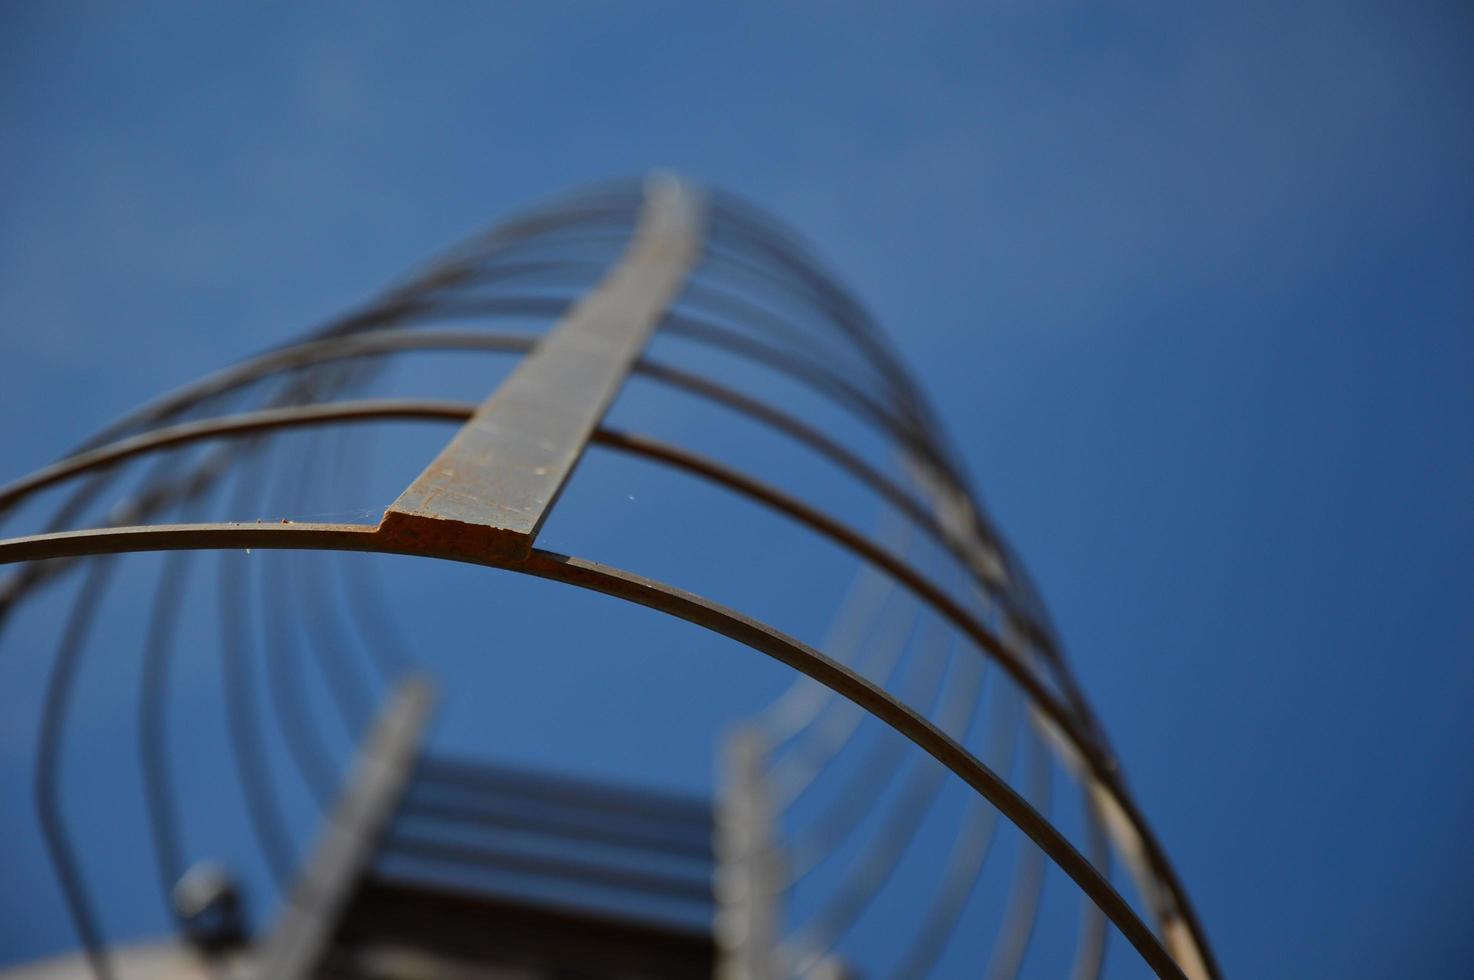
(1193, 289)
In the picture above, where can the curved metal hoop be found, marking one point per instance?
(395, 341)
(413, 409)
(672, 601)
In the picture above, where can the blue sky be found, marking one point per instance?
(1192, 289)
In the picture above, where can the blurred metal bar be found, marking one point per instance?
(808, 756)
(264, 813)
(1091, 945)
(283, 654)
(873, 866)
(602, 829)
(970, 848)
(310, 602)
(160, 803)
(847, 808)
(296, 946)
(463, 856)
(54, 712)
(369, 609)
(749, 871)
(586, 794)
(231, 425)
(794, 710)
(498, 479)
(1018, 924)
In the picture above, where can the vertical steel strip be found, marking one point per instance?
(490, 490)
(295, 949)
(748, 868)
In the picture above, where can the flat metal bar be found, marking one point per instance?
(574, 792)
(597, 830)
(245, 423)
(296, 947)
(609, 876)
(496, 482)
(48, 798)
(749, 868)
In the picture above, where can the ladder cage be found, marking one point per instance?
(238, 525)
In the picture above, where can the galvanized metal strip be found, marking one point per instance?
(493, 486)
(297, 946)
(749, 865)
